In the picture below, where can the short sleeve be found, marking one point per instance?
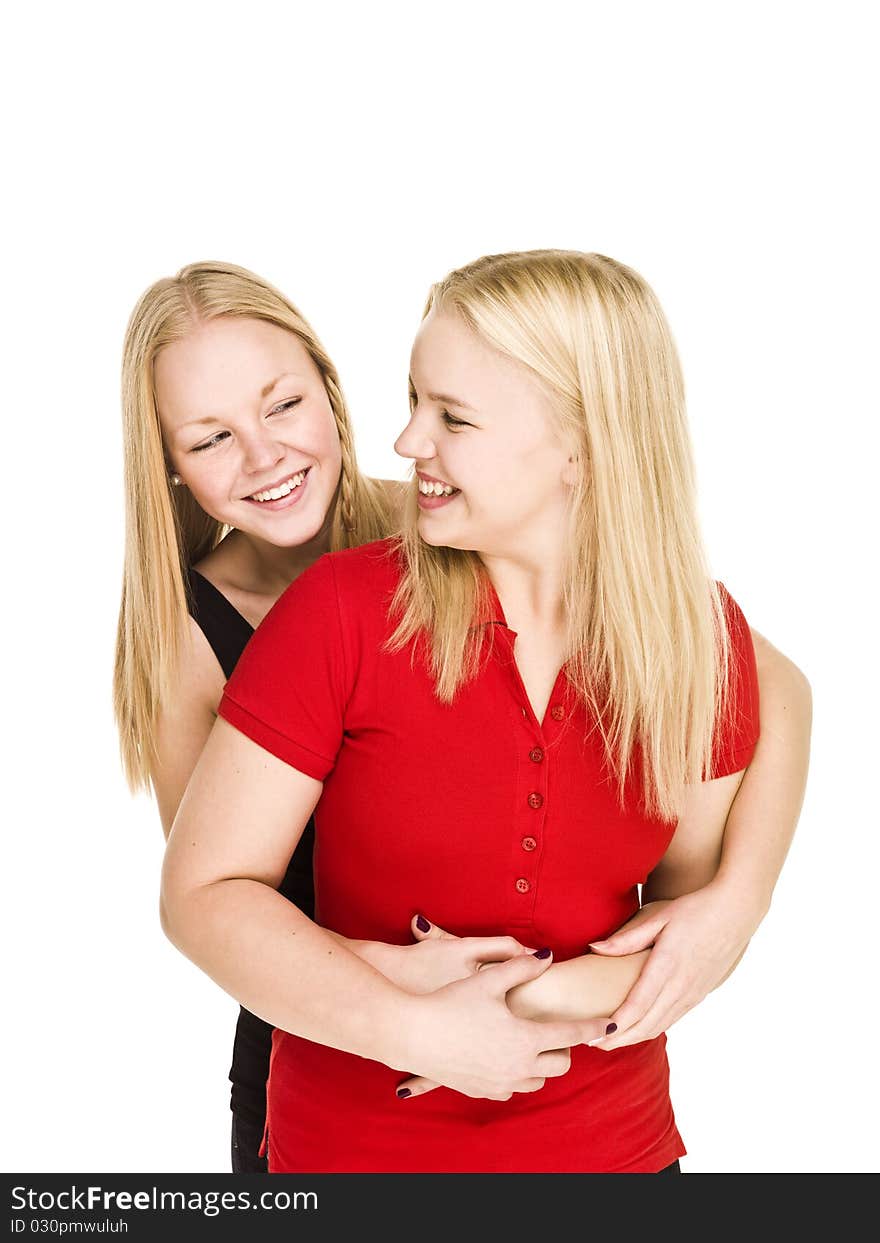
(738, 732)
(288, 691)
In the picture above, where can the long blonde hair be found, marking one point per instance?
(166, 530)
(647, 645)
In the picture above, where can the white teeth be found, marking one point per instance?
(435, 489)
(283, 489)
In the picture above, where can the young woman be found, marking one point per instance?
(531, 703)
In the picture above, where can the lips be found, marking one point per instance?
(287, 482)
(433, 479)
(430, 485)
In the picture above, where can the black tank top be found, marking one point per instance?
(228, 632)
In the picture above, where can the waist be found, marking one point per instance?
(335, 1112)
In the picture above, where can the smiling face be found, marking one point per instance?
(493, 473)
(248, 427)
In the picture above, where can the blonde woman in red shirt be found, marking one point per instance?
(533, 702)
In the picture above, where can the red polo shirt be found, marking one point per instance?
(488, 821)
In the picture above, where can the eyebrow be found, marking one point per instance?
(264, 392)
(449, 401)
(267, 388)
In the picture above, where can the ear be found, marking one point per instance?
(571, 471)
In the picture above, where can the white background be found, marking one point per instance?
(352, 154)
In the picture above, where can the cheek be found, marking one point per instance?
(210, 486)
(324, 439)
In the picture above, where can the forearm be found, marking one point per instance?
(765, 812)
(271, 958)
(588, 987)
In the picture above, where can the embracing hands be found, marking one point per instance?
(465, 1037)
(697, 941)
(463, 1019)
(438, 958)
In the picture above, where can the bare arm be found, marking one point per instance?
(185, 722)
(590, 987)
(765, 813)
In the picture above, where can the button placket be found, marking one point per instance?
(529, 826)
(527, 840)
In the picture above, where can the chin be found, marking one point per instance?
(437, 539)
(298, 533)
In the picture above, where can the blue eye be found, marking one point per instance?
(209, 444)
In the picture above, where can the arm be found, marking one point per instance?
(587, 988)
(704, 905)
(581, 988)
(240, 819)
(765, 812)
(185, 722)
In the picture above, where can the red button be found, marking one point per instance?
(557, 712)
(536, 800)
(528, 843)
(536, 755)
(523, 885)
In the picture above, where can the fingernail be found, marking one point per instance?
(544, 953)
(422, 924)
(610, 1029)
(404, 1092)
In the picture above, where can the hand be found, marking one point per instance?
(424, 931)
(467, 1039)
(698, 939)
(439, 957)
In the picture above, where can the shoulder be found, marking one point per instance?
(347, 591)
(200, 676)
(381, 558)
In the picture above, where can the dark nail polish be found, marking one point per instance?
(544, 953)
(610, 1029)
(403, 1092)
(422, 924)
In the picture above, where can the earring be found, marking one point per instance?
(176, 480)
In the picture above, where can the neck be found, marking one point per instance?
(531, 592)
(271, 569)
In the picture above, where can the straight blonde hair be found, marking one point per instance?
(166, 530)
(647, 644)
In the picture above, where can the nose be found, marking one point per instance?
(415, 441)
(260, 450)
